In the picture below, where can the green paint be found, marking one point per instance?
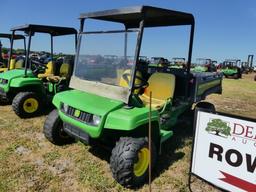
(199, 69)
(229, 71)
(204, 87)
(114, 114)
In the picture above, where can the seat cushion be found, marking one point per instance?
(3, 70)
(55, 79)
(43, 75)
(48, 72)
(156, 103)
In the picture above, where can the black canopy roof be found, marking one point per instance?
(153, 16)
(53, 30)
(9, 36)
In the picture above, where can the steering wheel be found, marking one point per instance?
(143, 83)
(39, 67)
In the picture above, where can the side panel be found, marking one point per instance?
(129, 119)
(22, 82)
(205, 84)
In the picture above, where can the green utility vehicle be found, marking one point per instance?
(247, 66)
(231, 68)
(16, 61)
(178, 62)
(204, 65)
(30, 89)
(113, 108)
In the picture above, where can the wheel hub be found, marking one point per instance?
(30, 105)
(143, 161)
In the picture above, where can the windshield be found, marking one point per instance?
(105, 57)
(202, 62)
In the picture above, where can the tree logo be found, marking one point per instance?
(218, 127)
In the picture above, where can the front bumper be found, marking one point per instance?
(77, 133)
(2, 93)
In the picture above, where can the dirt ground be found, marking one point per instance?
(28, 162)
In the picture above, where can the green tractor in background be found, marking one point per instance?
(32, 88)
(17, 60)
(231, 68)
(112, 108)
(204, 65)
(178, 63)
(247, 66)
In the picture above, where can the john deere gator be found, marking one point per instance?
(30, 89)
(112, 107)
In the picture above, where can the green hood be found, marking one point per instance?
(229, 71)
(87, 102)
(11, 74)
(14, 78)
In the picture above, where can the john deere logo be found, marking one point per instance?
(218, 127)
(77, 113)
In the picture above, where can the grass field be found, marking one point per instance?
(28, 162)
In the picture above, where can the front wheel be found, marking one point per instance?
(129, 161)
(53, 129)
(206, 105)
(26, 104)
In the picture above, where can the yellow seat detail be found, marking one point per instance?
(125, 82)
(19, 64)
(64, 73)
(64, 70)
(12, 64)
(3, 70)
(162, 86)
(48, 72)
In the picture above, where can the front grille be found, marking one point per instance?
(79, 115)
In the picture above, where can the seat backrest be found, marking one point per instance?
(162, 86)
(19, 64)
(49, 69)
(126, 78)
(12, 64)
(64, 70)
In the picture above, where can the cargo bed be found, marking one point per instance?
(204, 84)
(200, 84)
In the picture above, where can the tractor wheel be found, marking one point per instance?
(237, 76)
(206, 105)
(26, 104)
(53, 130)
(129, 161)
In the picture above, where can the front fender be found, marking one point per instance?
(128, 119)
(25, 81)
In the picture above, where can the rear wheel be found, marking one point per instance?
(26, 104)
(53, 129)
(129, 161)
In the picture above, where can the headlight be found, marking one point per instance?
(65, 107)
(96, 120)
(3, 81)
